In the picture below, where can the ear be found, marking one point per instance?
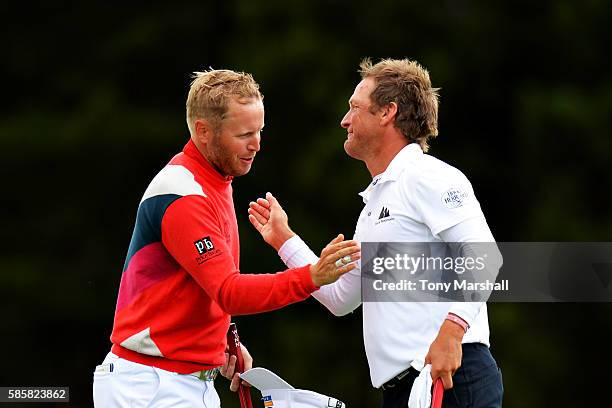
(203, 131)
(389, 112)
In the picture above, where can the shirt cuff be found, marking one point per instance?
(295, 253)
(466, 310)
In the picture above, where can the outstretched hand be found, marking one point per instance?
(337, 258)
(270, 220)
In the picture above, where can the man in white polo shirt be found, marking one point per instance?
(413, 197)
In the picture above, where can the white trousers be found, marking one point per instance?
(119, 383)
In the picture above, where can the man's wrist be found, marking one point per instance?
(281, 238)
(452, 329)
(458, 321)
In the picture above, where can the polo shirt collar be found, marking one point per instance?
(192, 151)
(395, 168)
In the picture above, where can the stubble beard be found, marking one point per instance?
(223, 161)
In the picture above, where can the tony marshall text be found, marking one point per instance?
(425, 285)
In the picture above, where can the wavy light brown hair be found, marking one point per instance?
(211, 92)
(406, 83)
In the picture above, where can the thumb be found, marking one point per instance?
(271, 199)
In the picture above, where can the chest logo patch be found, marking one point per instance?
(384, 216)
(384, 213)
(454, 198)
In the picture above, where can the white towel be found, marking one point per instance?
(420, 394)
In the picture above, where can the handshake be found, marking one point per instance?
(271, 221)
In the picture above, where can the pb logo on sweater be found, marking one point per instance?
(204, 245)
(206, 250)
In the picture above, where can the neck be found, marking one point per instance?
(380, 160)
(201, 148)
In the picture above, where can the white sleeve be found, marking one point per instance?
(473, 230)
(295, 253)
(340, 297)
(443, 199)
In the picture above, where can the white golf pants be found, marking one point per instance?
(119, 383)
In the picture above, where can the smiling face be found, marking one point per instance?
(232, 147)
(362, 125)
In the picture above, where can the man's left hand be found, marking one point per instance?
(228, 370)
(444, 354)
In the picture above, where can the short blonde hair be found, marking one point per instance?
(406, 83)
(211, 92)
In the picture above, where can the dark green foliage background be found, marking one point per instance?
(93, 106)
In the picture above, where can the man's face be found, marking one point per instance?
(233, 147)
(363, 126)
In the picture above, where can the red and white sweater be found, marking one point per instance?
(181, 280)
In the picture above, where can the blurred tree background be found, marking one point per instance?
(93, 106)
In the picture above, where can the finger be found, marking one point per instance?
(223, 369)
(231, 367)
(260, 218)
(246, 384)
(235, 382)
(335, 247)
(246, 356)
(264, 203)
(354, 252)
(343, 262)
(260, 209)
(447, 380)
(272, 200)
(258, 226)
(338, 272)
(339, 238)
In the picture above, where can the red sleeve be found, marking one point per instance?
(192, 235)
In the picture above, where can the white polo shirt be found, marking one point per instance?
(415, 199)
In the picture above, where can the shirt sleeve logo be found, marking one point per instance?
(454, 198)
(204, 245)
(206, 250)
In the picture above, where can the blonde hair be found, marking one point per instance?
(406, 83)
(211, 91)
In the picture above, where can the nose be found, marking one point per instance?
(346, 122)
(255, 142)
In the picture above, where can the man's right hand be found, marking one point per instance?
(269, 218)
